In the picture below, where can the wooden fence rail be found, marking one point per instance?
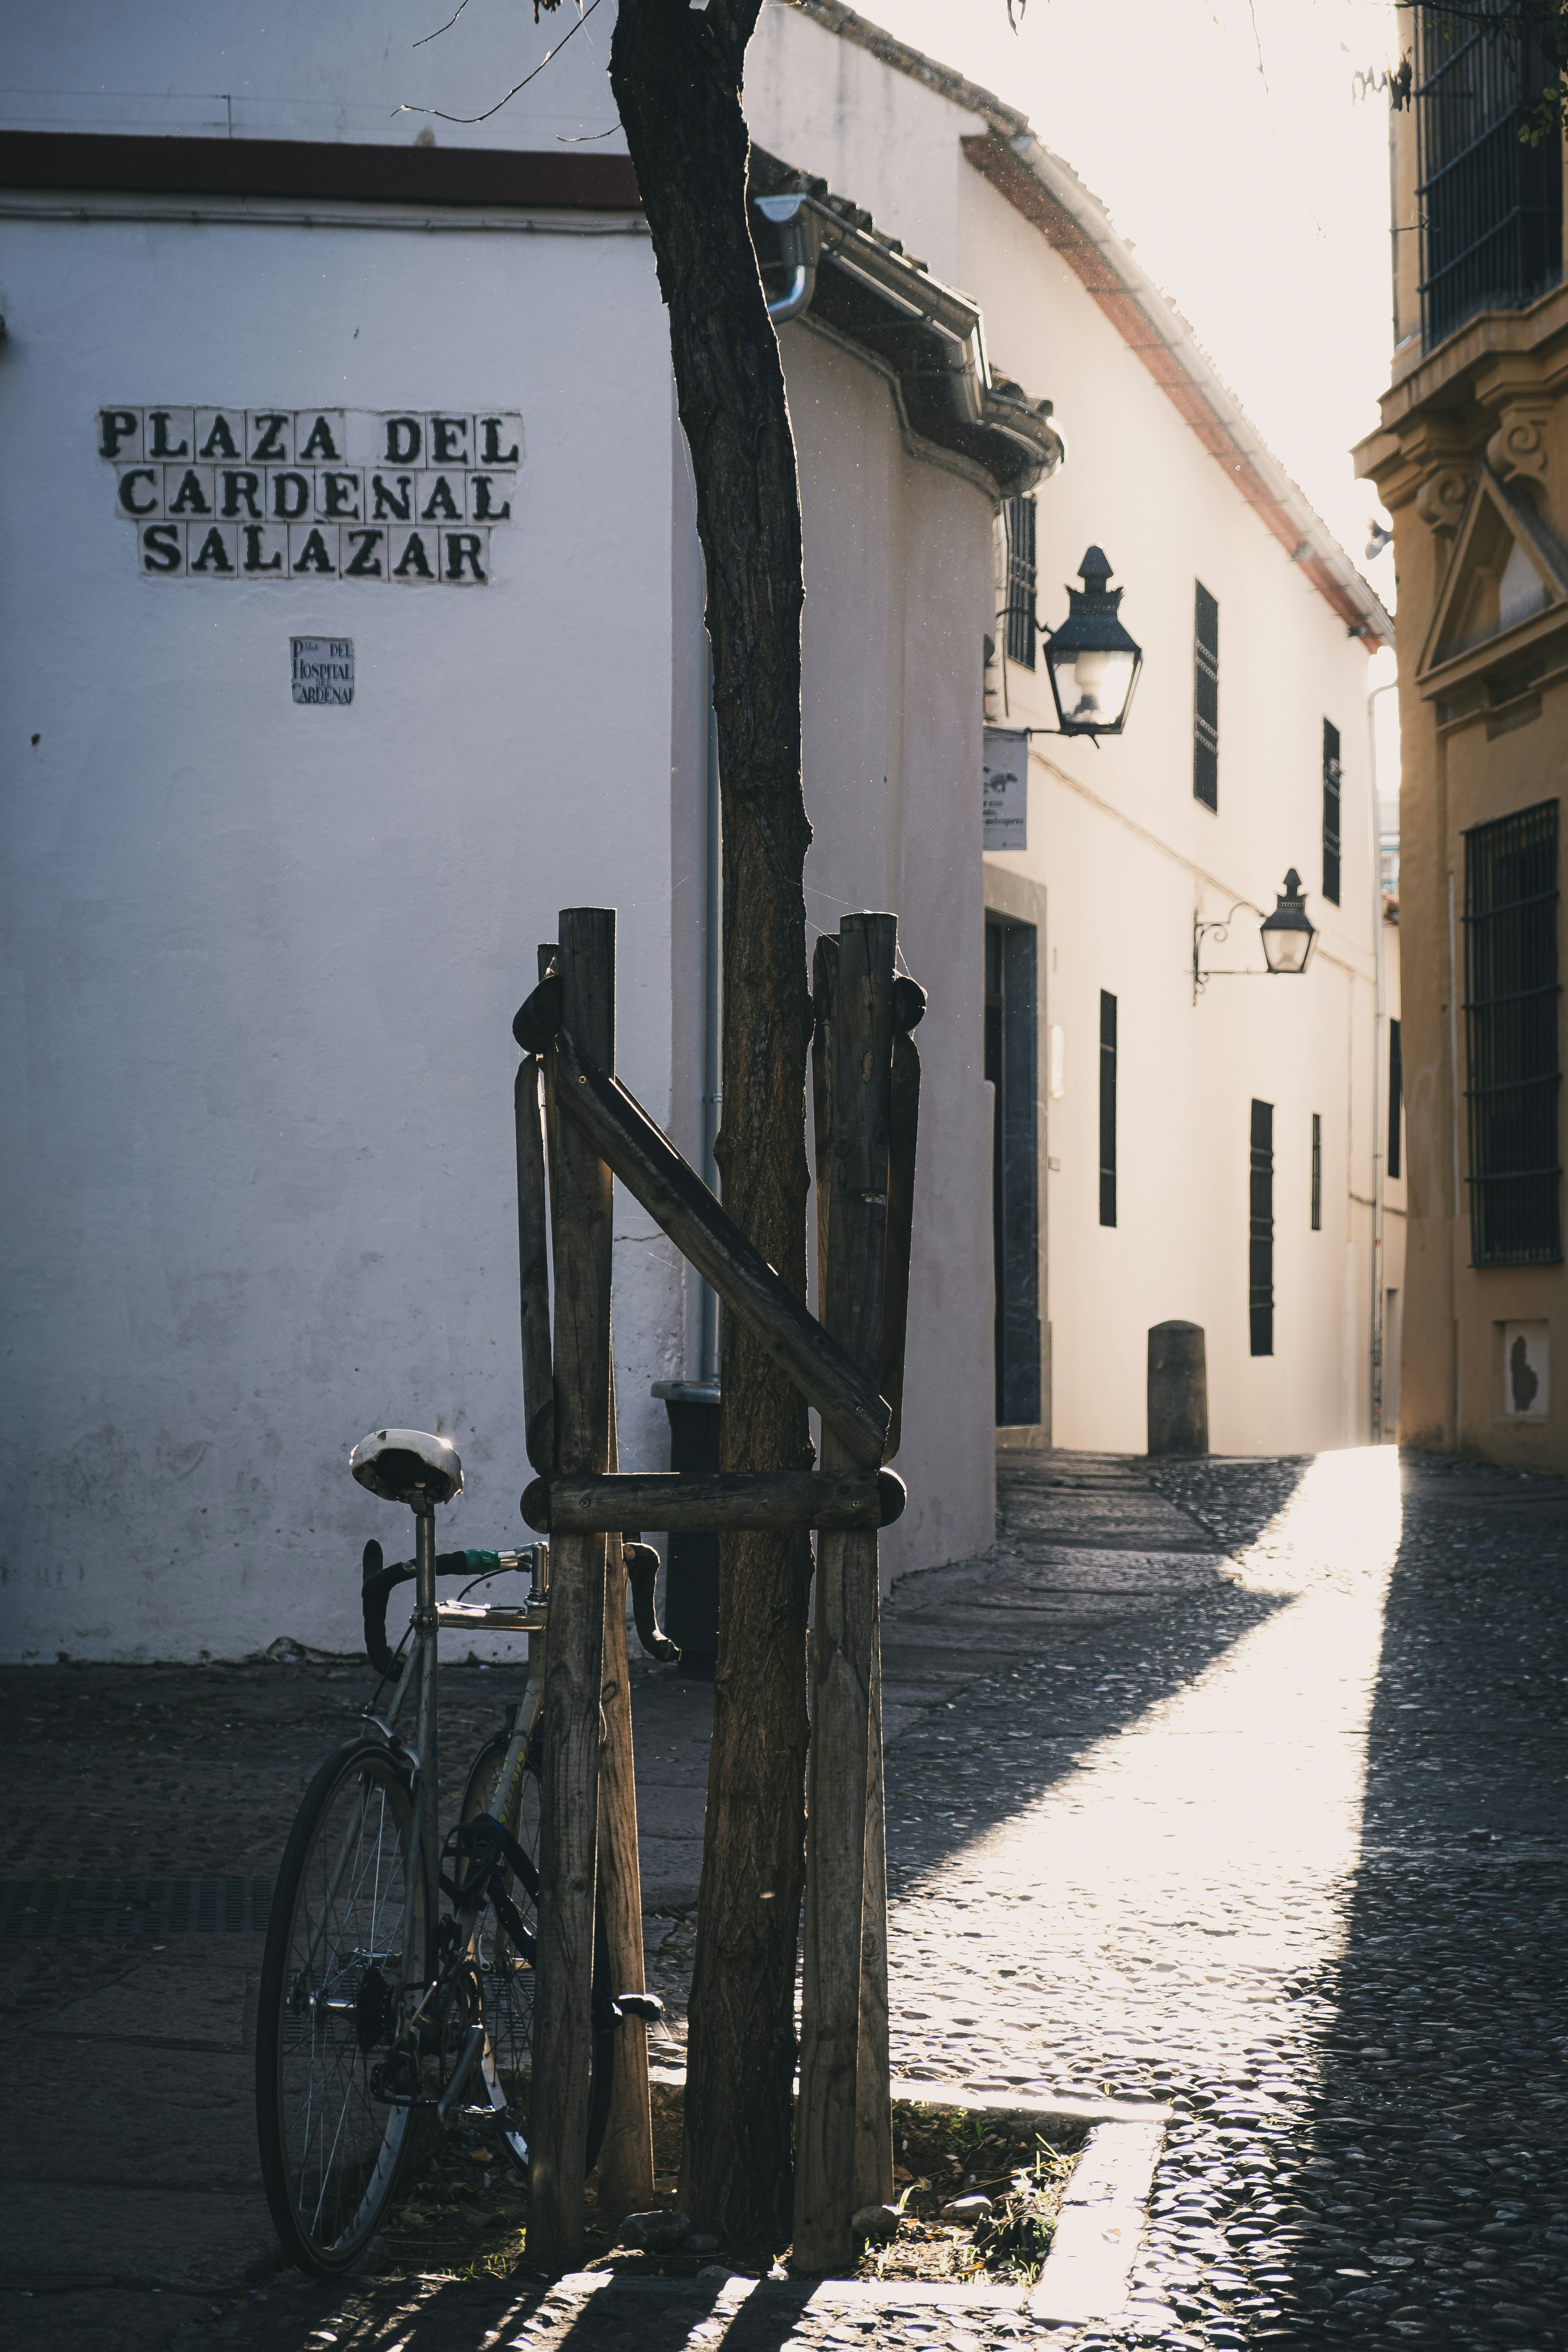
(720, 1500)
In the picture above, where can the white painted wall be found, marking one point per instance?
(262, 959)
(898, 597)
(1126, 853)
(298, 71)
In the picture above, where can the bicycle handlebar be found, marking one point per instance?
(377, 1582)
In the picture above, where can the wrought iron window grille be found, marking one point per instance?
(1490, 205)
(1019, 610)
(1512, 1061)
(1206, 697)
(1333, 784)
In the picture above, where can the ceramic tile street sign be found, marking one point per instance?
(323, 669)
(410, 497)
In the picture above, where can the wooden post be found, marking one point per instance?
(873, 2098)
(573, 1674)
(533, 1272)
(873, 2065)
(852, 1080)
(626, 2161)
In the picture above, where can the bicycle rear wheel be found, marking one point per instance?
(506, 1975)
(346, 1944)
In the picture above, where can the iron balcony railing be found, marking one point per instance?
(1490, 205)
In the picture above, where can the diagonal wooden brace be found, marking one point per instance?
(677, 1199)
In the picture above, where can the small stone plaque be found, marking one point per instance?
(323, 669)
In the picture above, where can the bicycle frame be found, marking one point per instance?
(419, 1674)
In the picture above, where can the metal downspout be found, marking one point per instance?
(712, 1005)
(1379, 1069)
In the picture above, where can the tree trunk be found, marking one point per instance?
(677, 72)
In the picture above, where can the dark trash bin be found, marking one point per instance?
(691, 1566)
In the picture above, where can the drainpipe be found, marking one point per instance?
(1379, 1068)
(712, 1007)
(798, 242)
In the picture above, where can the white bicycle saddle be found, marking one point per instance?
(407, 1466)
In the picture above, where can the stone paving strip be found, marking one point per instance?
(1225, 1803)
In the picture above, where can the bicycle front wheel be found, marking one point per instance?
(506, 1975)
(344, 1946)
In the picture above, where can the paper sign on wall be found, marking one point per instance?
(406, 496)
(1006, 789)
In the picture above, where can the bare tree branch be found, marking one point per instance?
(511, 93)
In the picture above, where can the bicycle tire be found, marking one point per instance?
(345, 1943)
(506, 1979)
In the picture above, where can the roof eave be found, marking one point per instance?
(1076, 223)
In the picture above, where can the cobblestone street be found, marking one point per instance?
(1233, 1786)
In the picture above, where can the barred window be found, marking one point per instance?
(1022, 631)
(1260, 1231)
(1512, 1076)
(1490, 206)
(1330, 813)
(1206, 697)
(1317, 1171)
(1395, 1096)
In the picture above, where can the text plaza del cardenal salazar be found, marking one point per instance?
(412, 497)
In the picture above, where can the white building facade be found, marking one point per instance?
(365, 634)
(1166, 1153)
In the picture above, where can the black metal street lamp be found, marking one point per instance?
(1092, 661)
(1288, 936)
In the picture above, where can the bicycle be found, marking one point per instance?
(381, 2024)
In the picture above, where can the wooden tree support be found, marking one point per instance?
(569, 1764)
(675, 1196)
(850, 1367)
(723, 1500)
(625, 2159)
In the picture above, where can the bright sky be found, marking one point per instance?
(1256, 197)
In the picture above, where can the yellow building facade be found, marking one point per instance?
(1471, 461)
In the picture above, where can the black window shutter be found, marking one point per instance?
(1317, 1170)
(1396, 1094)
(1260, 1231)
(1330, 813)
(1022, 631)
(1107, 1108)
(1206, 697)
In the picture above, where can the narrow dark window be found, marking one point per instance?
(1395, 1095)
(1330, 813)
(1107, 1108)
(1011, 1054)
(1021, 629)
(1206, 697)
(1317, 1173)
(1490, 206)
(1513, 1076)
(1260, 1231)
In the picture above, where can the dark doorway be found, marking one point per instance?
(1010, 1064)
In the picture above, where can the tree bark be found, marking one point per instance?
(677, 75)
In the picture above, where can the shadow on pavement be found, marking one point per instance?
(1446, 2054)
